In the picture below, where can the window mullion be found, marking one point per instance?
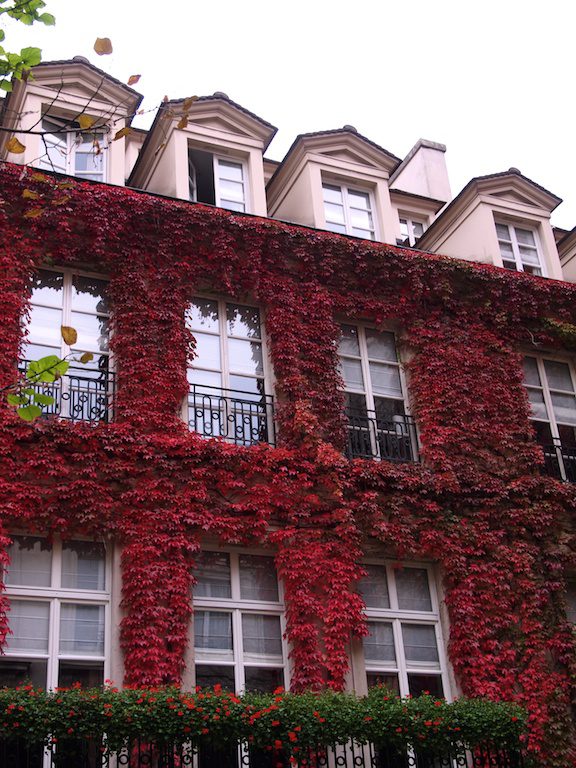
(547, 398)
(216, 174)
(224, 357)
(346, 205)
(237, 642)
(53, 644)
(515, 248)
(400, 659)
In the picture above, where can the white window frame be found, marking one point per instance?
(410, 220)
(224, 370)
(368, 393)
(56, 595)
(219, 201)
(345, 189)
(64, 350)
(69, 148)
(513, 240)
(237, 606)
(547, 396)
(395, 616)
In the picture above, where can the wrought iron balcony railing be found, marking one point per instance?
(560, 461)
(75, 753)
(370, 436)
(82, 394)
(243, 418)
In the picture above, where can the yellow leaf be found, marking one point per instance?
(188, 102)
(97, 147)
(14, 146)
(29, 194)
(69, 335)
(62, 200)
(183, 122)
(103, 46)
(85, 122)
(86, 357)
(33, 213)
(39, 177)
(121, 133)
(133, 79)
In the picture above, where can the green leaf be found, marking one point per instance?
(47, 18)
(29, 391)
(47, 369)
(16, 400)
(2, 37)
(29, 412)
(6, 85)
(41, 399)
(31, 56)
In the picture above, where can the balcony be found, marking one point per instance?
(373, 436)
(239, 417)
(82, 394)
(560, 461)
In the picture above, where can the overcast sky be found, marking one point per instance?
(494, 81)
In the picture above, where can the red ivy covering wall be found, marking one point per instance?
(502, 534)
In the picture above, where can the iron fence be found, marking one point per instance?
(82, 394)
(372, 436)
(241, 417)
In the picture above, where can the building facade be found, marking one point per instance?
(301, 454)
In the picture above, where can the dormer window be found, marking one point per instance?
(216, 180)
(69, 150)
(348, 211)
(519, 249)
(410, 230)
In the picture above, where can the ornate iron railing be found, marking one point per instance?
(560, 461)
(370, 436)
(142, 754)
(82, 394)
(244, 418)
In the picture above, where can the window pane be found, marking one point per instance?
(381, 346)
(89, 162)
(228, 170)
(47, 288)
(359, 200)
(385, 679)
(558, 375)
(263, 679)
(413, 589)
(529, 256)
(333, 227)
(334, 213)
(44, 325)
(531, 375)
(352, 373)
(385, 379)
(432, 684)
(209, 675)
(374, 587)
(248, 388)
(258, 580)
(231, 190)
(564, 408)
(349, 344)
(89, 675)
(28, 621)
(243, 321)
(207, 353)
(16, 672)
(419, 643)
(537, 404)
(203, 314)
(82, 630)
(213, 630)
(232, 205)
(245, 357)
(205, 381)
(261, 634)
(525, 237)
(361, 219)
(83, 565)
(89, 295)
(417, 228)
(92, 331)
(506, 252)
(30, 562)
(379, 644)
(332, 194)
(212, 575)
(502, 231)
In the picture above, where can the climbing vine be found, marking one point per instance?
(501, 533)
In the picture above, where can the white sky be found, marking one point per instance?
(493, 80)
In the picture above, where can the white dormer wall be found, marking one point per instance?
(296, 194)
(469, 232)
(164, 170)
(81, 92)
